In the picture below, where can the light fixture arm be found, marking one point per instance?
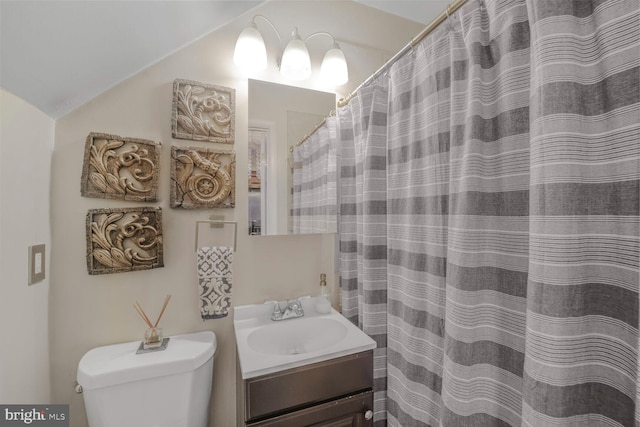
(321, 33)
(253, 20)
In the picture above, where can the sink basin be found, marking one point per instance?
(266, 346)
(303, 335)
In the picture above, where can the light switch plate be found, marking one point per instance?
(36, 263)
(216, 218)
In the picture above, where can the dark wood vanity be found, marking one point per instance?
(332, 393)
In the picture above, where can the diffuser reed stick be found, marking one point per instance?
(142, 314)
(164, 306)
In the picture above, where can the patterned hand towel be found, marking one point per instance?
(215, 279)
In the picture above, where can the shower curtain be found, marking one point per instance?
(314, 205)
(489, 218)
(363, 224)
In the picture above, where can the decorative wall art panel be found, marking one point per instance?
(203, 112)
(124, 239)
(202, 178)
(117, 167)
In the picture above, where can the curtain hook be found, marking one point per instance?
(449, 23)
(412, 50)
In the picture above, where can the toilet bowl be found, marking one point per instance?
(165, 388)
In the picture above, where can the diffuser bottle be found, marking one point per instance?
(323, 304)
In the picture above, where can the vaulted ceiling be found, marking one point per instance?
(59, 54)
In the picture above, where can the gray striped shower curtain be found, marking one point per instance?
(362, 131)
(489, 218)
(314, 193)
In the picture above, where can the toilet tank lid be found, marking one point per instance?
(119, 363)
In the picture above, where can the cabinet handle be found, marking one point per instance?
(368, 415)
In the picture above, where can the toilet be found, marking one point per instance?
(166, 388)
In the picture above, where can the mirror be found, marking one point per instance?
(279, 117)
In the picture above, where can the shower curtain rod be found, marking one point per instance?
(452, 8)
(314, 130)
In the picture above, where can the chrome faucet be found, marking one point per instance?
(291, 311)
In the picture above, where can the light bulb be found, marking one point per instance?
(250, 53)
(334, 69)
(296, 64)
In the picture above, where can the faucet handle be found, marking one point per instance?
(276, 308)
(296, 306)
(277, 313)
(293, 303)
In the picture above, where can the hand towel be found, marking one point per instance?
(215, 280)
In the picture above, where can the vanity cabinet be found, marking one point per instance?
(336, 392)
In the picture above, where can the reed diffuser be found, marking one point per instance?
(153, 335)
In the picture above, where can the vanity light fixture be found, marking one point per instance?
(250, 52)
(295, 63)
(251, 55)
(334, 66)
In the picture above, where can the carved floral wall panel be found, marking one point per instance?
(123, 168)
(203, 112)
(202, 178)
(124, 239)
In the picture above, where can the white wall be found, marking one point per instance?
(26, 143)
(89, 311)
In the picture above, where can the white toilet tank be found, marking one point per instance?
(167, 388)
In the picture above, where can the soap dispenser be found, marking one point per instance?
(323, 304)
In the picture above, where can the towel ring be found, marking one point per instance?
(235, 230)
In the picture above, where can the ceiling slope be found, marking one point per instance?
(59, 54)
